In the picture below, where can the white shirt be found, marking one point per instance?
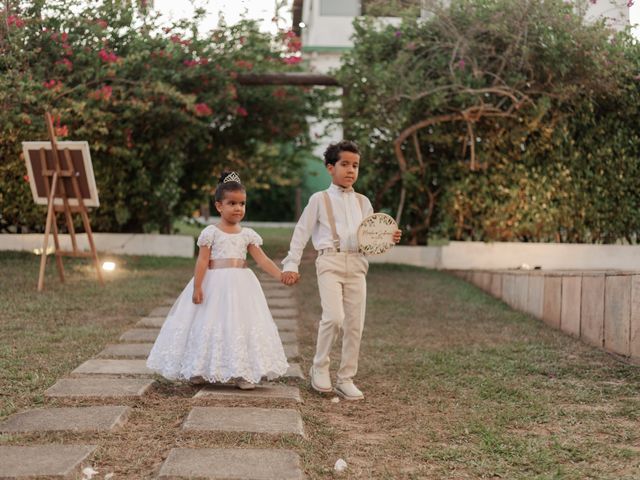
(314, 223)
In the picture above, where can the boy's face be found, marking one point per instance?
(345, 172)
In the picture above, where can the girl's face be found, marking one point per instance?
(232, 206)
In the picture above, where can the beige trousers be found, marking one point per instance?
(343, 294)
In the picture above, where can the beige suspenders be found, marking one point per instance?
(332, 218)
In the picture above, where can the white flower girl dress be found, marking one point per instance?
(231, 334)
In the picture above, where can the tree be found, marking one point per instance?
(160, 107)
(499, 120)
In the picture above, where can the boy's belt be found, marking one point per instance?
(333, 251)
(227, 263)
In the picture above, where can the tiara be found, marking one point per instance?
(232, 177)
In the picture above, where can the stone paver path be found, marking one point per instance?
(119, 371)
(235, 463)
(99, 387)
(140, 335)
(288, 337)
(264, 390)
(151, 322)
(42, 460)
(113, 367)
(130, 350)
(73, 419)
(244, 419)
(285, 312)
(286, 324)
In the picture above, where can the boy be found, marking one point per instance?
(331, 219)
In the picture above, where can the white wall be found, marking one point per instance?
(616, 12)
(510, 255)
(115, 243)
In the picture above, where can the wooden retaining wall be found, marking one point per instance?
(600, 308)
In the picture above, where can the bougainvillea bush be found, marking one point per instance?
(160, 106)
(518, 121)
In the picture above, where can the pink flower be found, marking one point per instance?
(67, 63)
(64, 36)
(242, 111)
(202, 110)
(243, 64)
(26, 178)
(15, 20)
(62, 131)
(190, 63)
(292, 60)
(461, 64)
(102, 24)
(50, 84)
(630, 3)
(108, 57)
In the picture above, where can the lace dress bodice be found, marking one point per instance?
(228, 245)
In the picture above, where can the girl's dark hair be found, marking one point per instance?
(332, 153)
(229, 186)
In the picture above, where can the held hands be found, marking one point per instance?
(397, 235)
(198, 296)
(289, 278)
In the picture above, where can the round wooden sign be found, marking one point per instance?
(375, 234)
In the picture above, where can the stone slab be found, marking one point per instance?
(99, 387)
(635, 316)
(570, 310)
(592, 316)
(127, 350)
(617, 313)
(160, 311)
(284, 312)
(69, 419)
(277, 292)
(535, 296)
(244, 419)
(288, 337)
(281, 302)
(286, 324)
(151, 322)
(113, 367)
(140, 335)
(294, 371)
(291, 350)
(57, 461)
(264, 390)
(552, 302)
(231, 463)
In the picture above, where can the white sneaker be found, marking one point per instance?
(244, 385)
(320, 380)
(348, 391)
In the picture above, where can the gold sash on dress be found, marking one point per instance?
(227, 263)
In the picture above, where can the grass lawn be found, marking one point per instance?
(457, 385)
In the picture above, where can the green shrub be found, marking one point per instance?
(534, 122)
(160, 107)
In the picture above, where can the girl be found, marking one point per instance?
(220, 327)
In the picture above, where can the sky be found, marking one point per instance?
(264, 10)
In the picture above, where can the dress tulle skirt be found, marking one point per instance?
(230, 335)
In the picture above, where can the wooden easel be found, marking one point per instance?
(55, 189)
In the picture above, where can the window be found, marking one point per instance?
(340, 8)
